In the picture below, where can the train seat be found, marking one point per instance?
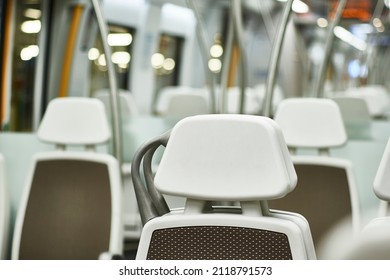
(4, 212)
(128, 106)
(353, 109)
(376, 97)
(71, 204)
(182, 101)
(251, 102)
(326, 193)
(205, 161)
(374, 240)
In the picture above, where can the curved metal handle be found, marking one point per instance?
(114, 100)
(319, 87)
(201, 35)
(275, 58)
(157, 198)
(150, 204)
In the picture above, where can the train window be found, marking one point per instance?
(27, 27)
(166, 62)
(120, 39)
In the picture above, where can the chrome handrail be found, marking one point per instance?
(114, 100)
(275, 58)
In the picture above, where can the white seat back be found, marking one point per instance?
(226, 158)
(213, 166)
(181, 101)
(311, 123)
(128, 106)
(251, 103)
(74, 121)
(374, 240)
(376, 96)
(318, 124)
(382, 178)
(353, 109)
(71, 204)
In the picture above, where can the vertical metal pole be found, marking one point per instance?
(370, 58)
(266, 17)
(114, 100)
(239, 38)
(380, 5)
(225, 68)
(319, 86)
(275, 57)
(202, 40)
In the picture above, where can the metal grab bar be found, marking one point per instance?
(114, 100)
(150, 203)
(319, 87)
(202, 40)
(275, 58)
(157, 198)
(239, 38)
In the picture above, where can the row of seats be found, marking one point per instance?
(326, 192)
(205, 162)
(183, 101)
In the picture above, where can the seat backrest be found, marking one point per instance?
(71, 204)
(4, 212)
(181, 101)
(373, 241)
(224, 158)
(382, 177)
(128, 106)
(311, 123)
(326, 193)
(376, 96)
(251, 102)
(353, 109)
(248, 148)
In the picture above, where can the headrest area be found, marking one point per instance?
(311, 123)
(226, 157)
(74, 121)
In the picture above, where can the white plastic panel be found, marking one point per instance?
(183, 101)
(75, 120)
(128, 106)
(376, 96)
(226, 157)
(353, 109)
(382, 178)
(311, 123)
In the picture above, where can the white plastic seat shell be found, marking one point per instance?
(95, 184)
(215, 170)
(382, 178)
(75, 121)
(238, 158)
(311, 123)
